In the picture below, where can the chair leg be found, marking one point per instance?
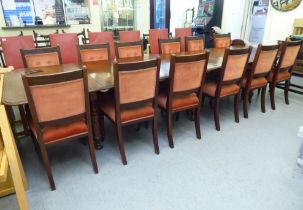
(272, 96)
(23, 119)
(203, 99)
(245, 103)
(236, 107)
(216, 113)
(155, 135)
(197, 123)
(263, 94)
(259, 91)
(121, 145)
(169, 127)
(92, 152)
(286, 88)
(47, 166)
(102, 127)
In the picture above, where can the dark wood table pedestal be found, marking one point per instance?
(98, 137)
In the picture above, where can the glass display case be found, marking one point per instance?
(118, 15)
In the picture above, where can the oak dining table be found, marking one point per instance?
(100, 78)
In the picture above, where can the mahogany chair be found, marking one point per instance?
(170, 46)
(81, 36)
(222, 40)
(257, 73)
(182, 33)
(136, 90)
(238, 43)
(93, 52)
(103, 38)
(129, 36)
(52, 124)
(48, 56)
(68, 45)
(194, 43)
(283, 71)
(42, 40)
(154, 36)
(186, 79)
(229, 80)
(129, 49)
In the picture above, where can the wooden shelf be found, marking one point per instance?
(34, 26)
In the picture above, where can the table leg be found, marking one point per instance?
(95, 120)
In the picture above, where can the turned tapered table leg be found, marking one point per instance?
(96, 120)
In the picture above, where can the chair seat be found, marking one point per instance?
(255, 83)
(182, 102)
(226, 90)
(57, 133)
(282, 76)
(127, 115)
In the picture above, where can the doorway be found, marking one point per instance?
(159, 14)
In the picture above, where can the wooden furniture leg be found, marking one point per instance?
(96, 120)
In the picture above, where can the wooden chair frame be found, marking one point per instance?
(171, 94)
(46, 39)
(169, 40)
(38, 126)
(128, 44)
(92, 47)
(120, 107)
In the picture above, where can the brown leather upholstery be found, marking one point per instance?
(171, 47)
(210, 89)
(88, 55)
(265, 61)
(290, 56)
(195, 45)
(188, 76)
(127, 115)
(47, 98)
(137, 85)
(255, 83)
(235, 67)
(282, 76)
(130, 51)
(56, 133)
(222, 42)
(43, 59)
(179, 102)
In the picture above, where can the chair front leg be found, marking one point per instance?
(272, 96)
(286, 89)
(236, 107)
(169, 128)
(197, 122)
(155, 135)
(245, 102)
(92, 151)
(216, 113)
(121, 145)
(263, 94)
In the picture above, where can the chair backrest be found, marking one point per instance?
(68, 45)
(154, 36)
(103, 38)
(289, 54)
(136, 83)
(11, 47)
(57, 99)
(187, 74)
(170, 46)
(222, 40)
(129, 36)
(93, 52)
(234, 65)
(194, 43)
(48, 56)
(238, 43)
(129, 49)
(42, 40)
(182, 33)
(264, 60)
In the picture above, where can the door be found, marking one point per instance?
(159, 14)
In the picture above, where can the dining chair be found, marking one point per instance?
(48, 56)
(184, 92)
(68, 45)
(103, 38)
(135, 98)
(129, 36)
(222, 40)
(182, 33)
(129, 49)
(257, 72)
(170, 46)
(42, 40)
(229, 80)
(283, 70)
(54, 118)
(194, 43)
(154, 36)
(93, 52)
(237, 43)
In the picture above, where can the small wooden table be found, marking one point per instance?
(100, 78)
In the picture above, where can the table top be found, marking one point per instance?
(100, 74)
